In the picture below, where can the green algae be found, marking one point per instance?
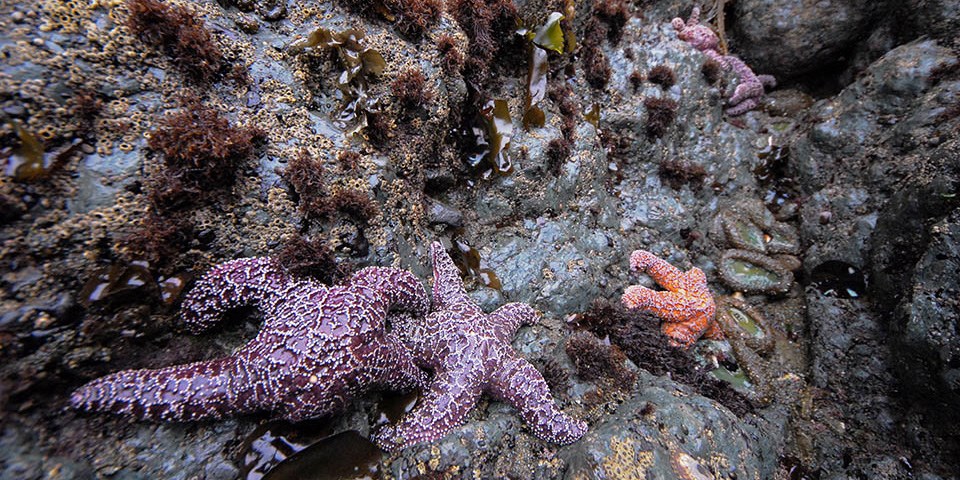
(592, 116)
(172, 287)
(121, 281)
(467, 259)
(536, 88)
(549, 37)
(115, 281)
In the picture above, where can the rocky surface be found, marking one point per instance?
(786, 38)
(859, 386)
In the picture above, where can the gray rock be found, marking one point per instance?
(790, 37)
(666, 432)
(439, 213)
(927, 325)
(936, 18)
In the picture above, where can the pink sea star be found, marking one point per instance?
(747, 95)
(469, 353)
(318, 348)
(687, 307)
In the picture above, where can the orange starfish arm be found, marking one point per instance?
(666, 275)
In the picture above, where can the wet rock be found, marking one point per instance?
(247, 24)
(99, 178)
(927, 337)
(666, 431)
(272, 10)
(786, 103)
(439, 213)
(868, 162)
(936, 18)
(786, 38)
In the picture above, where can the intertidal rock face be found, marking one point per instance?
(787, 38)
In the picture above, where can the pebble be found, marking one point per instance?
(18, 17)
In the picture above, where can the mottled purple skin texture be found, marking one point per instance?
(747, 95)
(319, 347)
(470, 354)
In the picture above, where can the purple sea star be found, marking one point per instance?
(318, 348)
(747, 95)
(470, 353)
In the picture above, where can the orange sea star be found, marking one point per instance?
(686, 307)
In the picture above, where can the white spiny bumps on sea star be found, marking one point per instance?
(318, 348)
(686, 307)
(470, 354)
(747, 95)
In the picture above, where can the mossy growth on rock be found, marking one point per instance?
(662, 75)
(306, 175)
(451, 58)
(177, 32)
(678, 172)
(201, 148)
(661, 112)
(596, 360)
(712, 71)
(157, 239)
(411, 91)
(312, 258)
(639, 337)
(411, 17)
(490, 26)
(606, 24)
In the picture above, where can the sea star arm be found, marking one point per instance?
(444, 407)
(194, 391)
(402, 288)
(666, 275)
(447, 284)
(744, 106)
(684, 334)
(521, 385)
(230, 285)
(768, 81)
(505, 320)
(393, 366)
